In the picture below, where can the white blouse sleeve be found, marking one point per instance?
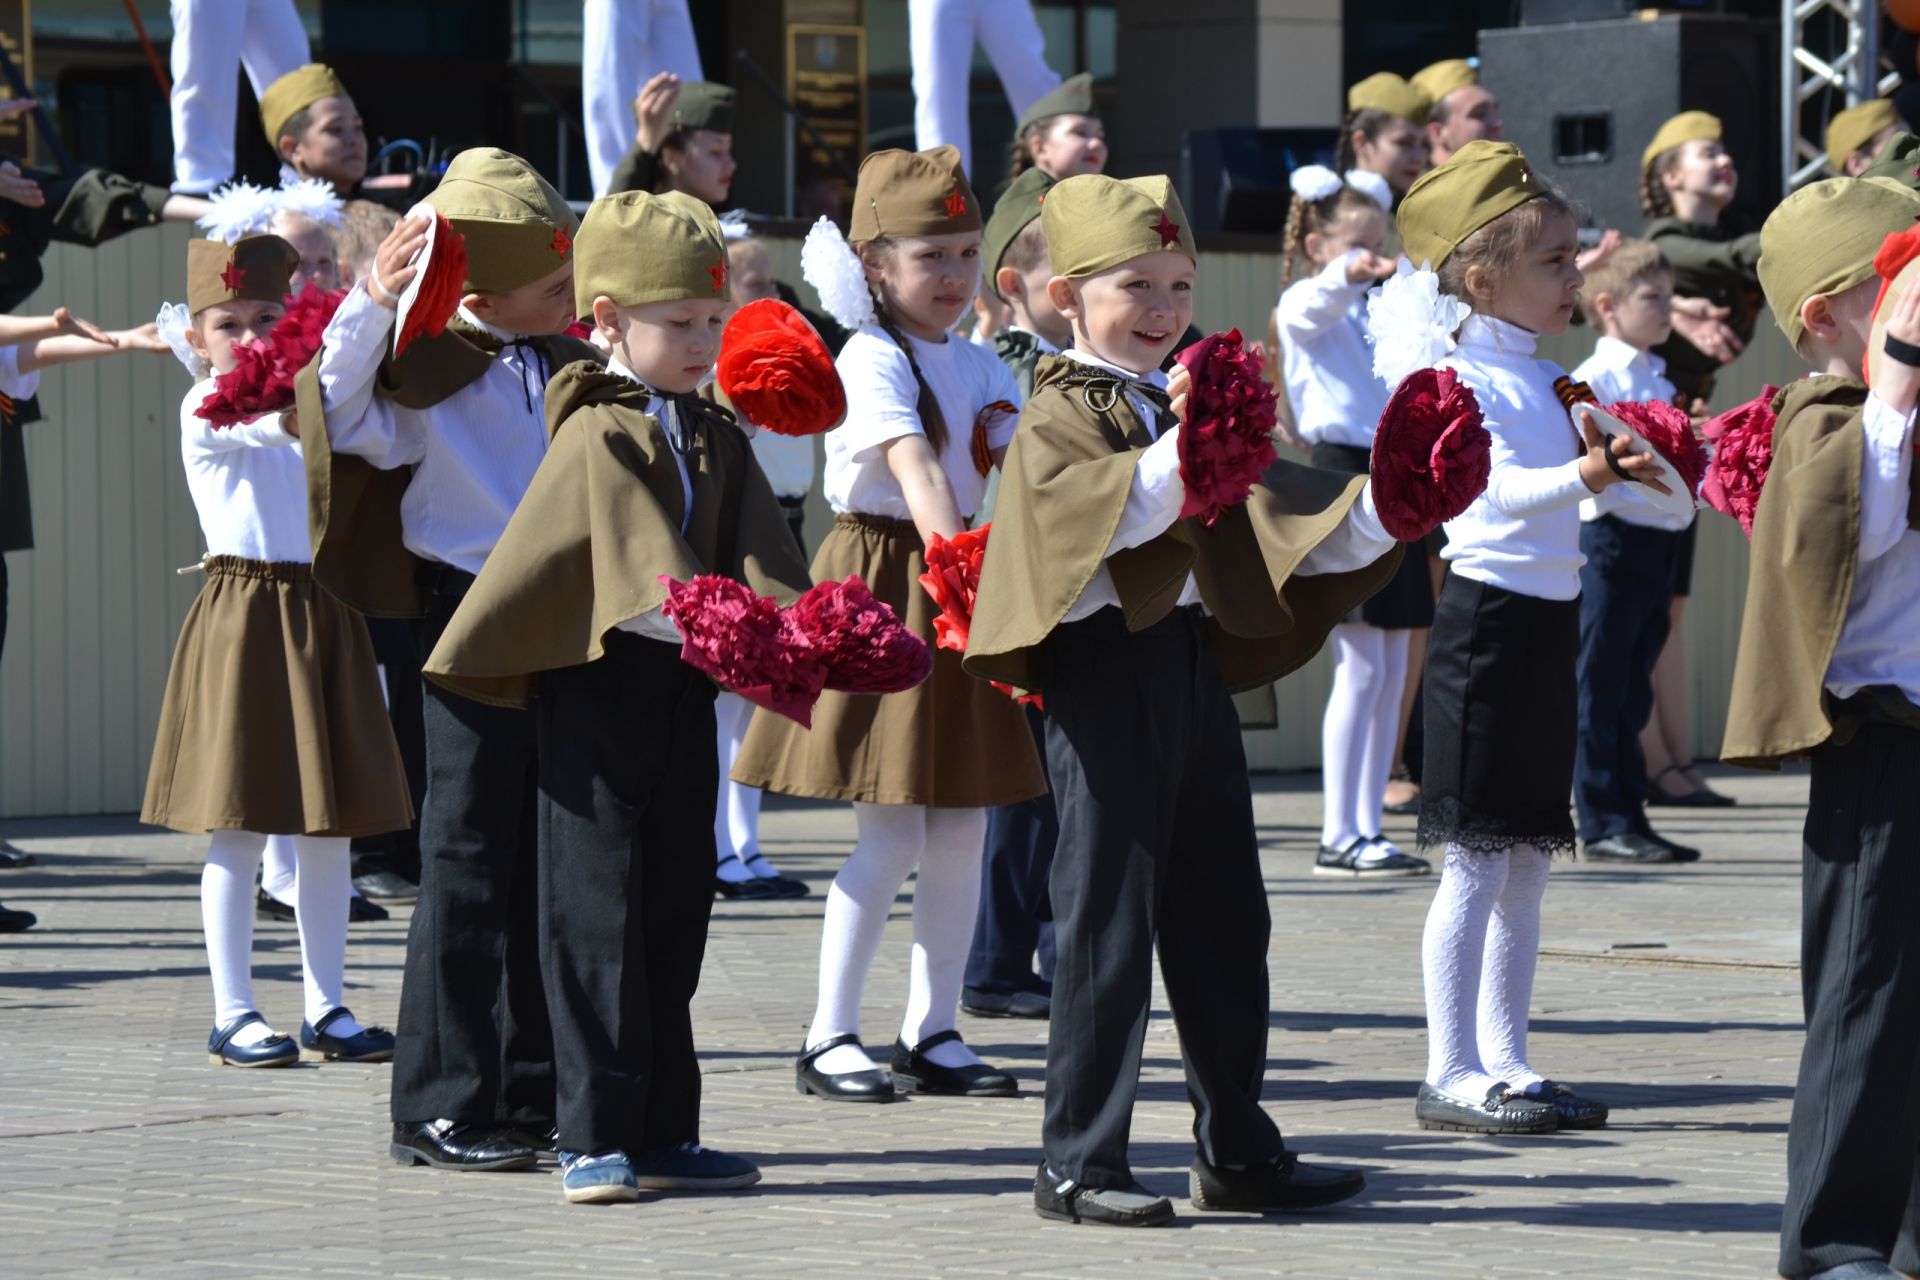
(883, 397)
(358, 421)
(1887, 462)
(201, 436)
(14, 384)
(1309, 307)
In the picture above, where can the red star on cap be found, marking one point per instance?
(719, 273)
(562, 243)
(956, 202)
(1169, 230)
(234, 277)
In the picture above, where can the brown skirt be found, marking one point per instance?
(273, 720)
(953, 742)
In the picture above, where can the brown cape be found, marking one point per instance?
(1806, 550)
(599, 525)
(1064, 487)
(353, 507)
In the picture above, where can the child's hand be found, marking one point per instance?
(1597, 472)
(145, 338)
(393, 265)
(653, 108)
(1898, 383)
(1700, 414)
(1363, 267)
(1588, 259)
(65, 322)
(11, 107)
(1705, 326)
(1180, 383)
(290, 422)
(21, 190)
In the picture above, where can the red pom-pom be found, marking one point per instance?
(1431, 454)
(953, 580)
(860, 640)
(1668, 429)
(261, 380)
(581, 329)
(1742, 453)
(737, 639)
(1227, 441)
(777, 371)
(437, 290)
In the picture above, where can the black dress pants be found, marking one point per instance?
(628, 782)
(396, 647)
(473, 1040)
(1016, 918)
(1157, 844)
(1852, 1144)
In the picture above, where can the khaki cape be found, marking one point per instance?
(1064, 487)
(1806, 552)
(600, 524)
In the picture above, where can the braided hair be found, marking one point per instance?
(932, 421)
(1655, 201)
(1307, 217)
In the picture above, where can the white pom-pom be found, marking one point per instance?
(831, 266)
(313, 198)
(1411, 323)
(1313, 182)
(236, 210)
(172, 323)
(1372, 186)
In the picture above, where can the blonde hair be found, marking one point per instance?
(363, 225)
(932, 421)
(1498, 247)
(1616, 274)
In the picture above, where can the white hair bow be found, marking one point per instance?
(1372, 186)
(1314, 182)
(1411, 323)
(829, 264)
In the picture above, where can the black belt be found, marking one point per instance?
(442, 579)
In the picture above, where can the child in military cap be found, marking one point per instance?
(644, 481)
(1060, 134)
(1099, 595)
(1384, 131)
(684, 141)
(314, 128)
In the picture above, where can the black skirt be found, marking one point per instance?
(1406, 602)
(1501, 718)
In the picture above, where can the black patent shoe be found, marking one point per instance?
(12, 921)
(872, 1085)
(1284, 1185)
(448, 1144)
(1505, 1111)
(1064, 1200)
(1575, 1112)
(268, 907)
(1006, 1004)
(276, 1050)
(540, 1137)
(783, 886)
(914, 1072)
(755, 890)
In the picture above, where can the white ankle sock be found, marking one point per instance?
(277, 870)
(891, 838)
(1451, 950)
(731, 870)
(1512, 954)
(1356, 735)
(324, 884)
(251, 1034)
(226, 916)
(946, 897)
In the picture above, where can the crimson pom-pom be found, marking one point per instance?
(737, 639)
(1227, 442)
(778, 373)
(953, 580)
(1431, 454)
(1742, 453)
(1668, 429)
(261, 380)
(861, 641)
(437, 290)
(581, 329)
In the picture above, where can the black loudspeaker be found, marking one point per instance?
(1583, 100)
(1236, 179)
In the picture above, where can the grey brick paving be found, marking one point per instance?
(1670, 992)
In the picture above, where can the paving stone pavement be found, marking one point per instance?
(1670, 992)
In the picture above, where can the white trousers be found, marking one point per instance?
(941, 36)
(625, 43)
(211, 38)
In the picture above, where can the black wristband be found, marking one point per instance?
(1613, 461)
(1905, 352)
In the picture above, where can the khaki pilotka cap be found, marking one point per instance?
(517, 227)
(1482, 181)
(1385, 91)
(912, 193)
(1094, 222)
(636, 248)
(1855, 127)
(1688, 126)
(702, 104)
(1442, 78)
(1072, 97)
(1822, 240)
(293, 93)
(1897, 159)
(257, 268)
(1012, 215)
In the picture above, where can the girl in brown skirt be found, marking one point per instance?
(273, 722)
(927, 417)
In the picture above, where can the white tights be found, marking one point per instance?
(1356, 738)
(1481, 945)
(321, 888)
(894, 839)
(736, 817)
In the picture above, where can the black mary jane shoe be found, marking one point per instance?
(873, 1085)
(755, 890)
(1064, 1200)
(368, 1044)
(1284, 1185)
(277, 1050)
(1574, 1111)
(783, 885)
(914, 1072)
(1504, 1111)
(268, 907)
(466, 1148)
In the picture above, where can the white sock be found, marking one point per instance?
(946, 897)
(1451, 952)
(324, 884)
(1512, 953)
(226, 915)
(891, 838)
(732, 870)
(277, 870)
(1358, 673)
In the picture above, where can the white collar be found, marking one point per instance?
(618, 367)
(1155, 379)
(474, 320)
(1493, 336)
(1624, 355)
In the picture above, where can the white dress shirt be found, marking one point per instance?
(654, 624)
(249, 485)
(1880, 640)
(473, 454)
(1326, 359)
(14, 384)
(1523, 533)
(1617, 371)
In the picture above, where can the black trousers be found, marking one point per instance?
(1852, 1144)
(1156, 844)
(474, 1044)
(1626, 599)
(3, 604)
(1016, 918)
(628, 782)
(396, 647)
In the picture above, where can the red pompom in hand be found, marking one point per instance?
(953, 580)
(261, 380)
(434, 293)
(1743, 451)
(1668, 429)
(778, 373)
(737, 638)
(1227, 440)
(1431, 454)
(861, 641)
